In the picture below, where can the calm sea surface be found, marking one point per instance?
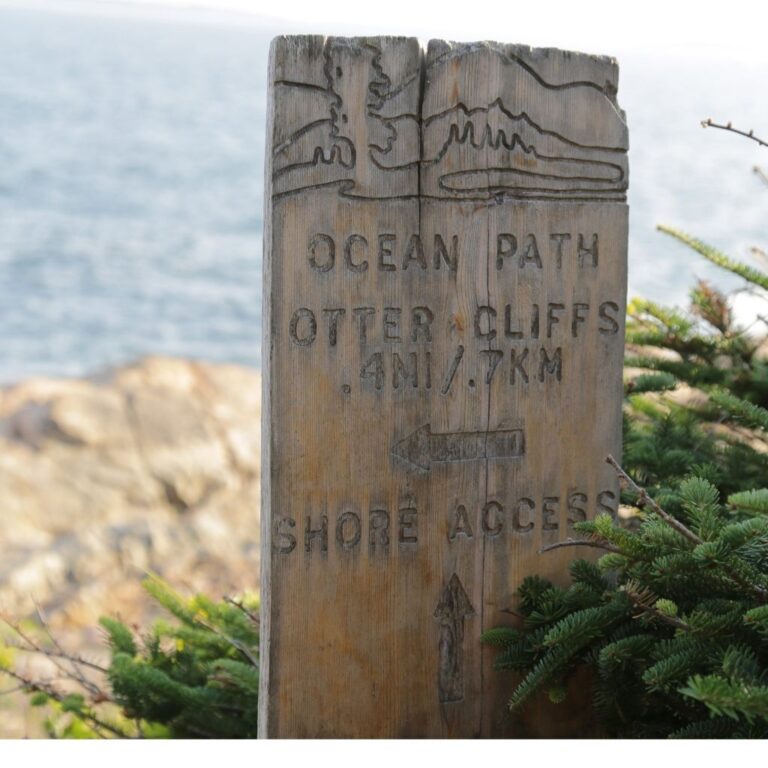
(131, 186)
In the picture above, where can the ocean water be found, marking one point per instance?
(131, 163)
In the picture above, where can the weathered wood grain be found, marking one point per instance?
(445, 272)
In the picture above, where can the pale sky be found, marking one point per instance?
(732, 30)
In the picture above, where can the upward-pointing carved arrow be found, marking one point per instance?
(422, 447)
(453, 607)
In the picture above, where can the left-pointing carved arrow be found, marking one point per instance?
(453, 607)
(422, 447)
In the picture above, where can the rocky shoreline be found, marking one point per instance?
(149, 467)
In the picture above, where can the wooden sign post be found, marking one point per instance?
(445, 289)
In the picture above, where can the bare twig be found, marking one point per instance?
(643, 500)
(237, 604)
(750, 134)
(32, 646)
(649, 610)
(44, 686)
(580, 543)
(74, 661)
(234, 642)
(66, 657)
(56, 657)
(761, 174)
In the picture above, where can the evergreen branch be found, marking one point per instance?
(750, 274)
(750, 134)
(643, 499)
(752, 415)
(580, 543)
(713, 728)
(651, 382)
(724, 697)
(564, 641)
(640, 599)
(734, 569)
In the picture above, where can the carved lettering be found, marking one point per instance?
(490, 332)
(285, 541)
(506, 246)
(405, 374)
(522, 517)
(355, 266)
(529, 253)
(587, 251)
(414, 252)
(607, 312)
(508, 331)
(606, 502)
(442, 253)
(559, 238)
(333, 315)
(321, 533)
(577, 511)
(408, 520)
(552, 365)
(303, 327)
(552, 318)
(518, 365)
(459, 524)
(386, 250)
(421, 324)
(550, 513)
(392, 323)
(322, 253)
(378, 530)
(348, 530)
(577, 317)
(362, 314)
(495, 356)
(491, 519)
(373, 369)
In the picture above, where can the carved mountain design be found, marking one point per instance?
(377, 121)
(494, 150)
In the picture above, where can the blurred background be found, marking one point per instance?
(131, 162)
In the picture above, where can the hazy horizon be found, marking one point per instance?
(131, 190)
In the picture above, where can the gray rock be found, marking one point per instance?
(150, 467)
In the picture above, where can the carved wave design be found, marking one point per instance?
(335, 136)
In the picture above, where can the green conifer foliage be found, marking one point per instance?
(193, 677)
(704, 351)
(677, 645)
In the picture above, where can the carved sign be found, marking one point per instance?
(445, 289)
